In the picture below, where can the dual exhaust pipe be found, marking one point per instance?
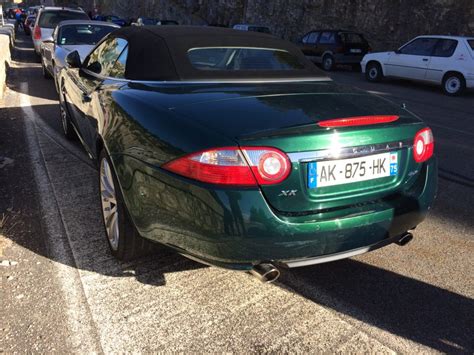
(267, 272)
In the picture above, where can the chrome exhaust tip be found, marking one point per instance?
(265, 272)
(404, 239)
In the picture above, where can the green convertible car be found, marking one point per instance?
(233, 149)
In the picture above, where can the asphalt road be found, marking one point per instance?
(62, 291)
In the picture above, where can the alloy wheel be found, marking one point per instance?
(328, 63)
(452, 85)
(373, 73)
(109, 204)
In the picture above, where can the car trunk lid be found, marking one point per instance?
(290, 121)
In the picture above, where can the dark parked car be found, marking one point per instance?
(251, 28)
(237, 151)
(330, 48)
(111, 18)
(148, 21)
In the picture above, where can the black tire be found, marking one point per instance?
(454, 84)
(356, 67)
(66, 124)
(373, 72)
(46, 73)
(328, 62)
(129, 244)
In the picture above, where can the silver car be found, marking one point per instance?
(68, 36)
(47, 20)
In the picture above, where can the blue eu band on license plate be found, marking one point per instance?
(312, 175)
(344, 171)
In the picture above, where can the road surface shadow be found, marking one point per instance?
(426, 314)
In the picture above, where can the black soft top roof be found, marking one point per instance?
(160, 53)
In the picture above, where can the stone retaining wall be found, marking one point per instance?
(6, 42)
(386, 23)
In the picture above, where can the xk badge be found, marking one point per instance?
(288, 193)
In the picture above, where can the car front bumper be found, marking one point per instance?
(238, 229)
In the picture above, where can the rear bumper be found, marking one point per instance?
(37, 45)
(338, 58)
(348, 59)
(470, 82)
(341, 255)
(238, 229)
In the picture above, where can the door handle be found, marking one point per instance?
(86, 98)
(425, 59)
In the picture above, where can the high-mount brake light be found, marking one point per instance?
(234, 166)
(423, 145)
(37, 33)
(358, 121)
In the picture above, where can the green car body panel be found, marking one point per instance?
(144, 126)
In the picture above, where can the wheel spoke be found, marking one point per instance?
(109, 204)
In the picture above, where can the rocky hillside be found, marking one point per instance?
(386, 23)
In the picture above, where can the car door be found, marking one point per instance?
(308, 46)
(88, 83)
(326, 43)
(442, 59)
(412, 60)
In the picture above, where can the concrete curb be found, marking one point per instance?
(7, 40)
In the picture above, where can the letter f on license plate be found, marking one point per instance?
(344, 171)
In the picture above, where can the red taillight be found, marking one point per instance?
(358, 121)
(423, 145)
(37, 33)
(233, 166)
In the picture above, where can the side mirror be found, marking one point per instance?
(73, 60)
(48, 40)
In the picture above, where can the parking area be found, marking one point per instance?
(416, 298)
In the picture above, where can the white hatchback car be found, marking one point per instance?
(444, 60)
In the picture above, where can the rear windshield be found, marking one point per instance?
(258, 29)
(352, 37)
(83, 34)
(242, 58)
(471, 43)
(50, 19)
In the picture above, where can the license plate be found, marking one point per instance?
(345, 171)
(356, 50)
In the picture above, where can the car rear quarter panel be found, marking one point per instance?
(135, 124)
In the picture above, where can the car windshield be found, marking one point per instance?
(50, 19)
(83, 34)
(150, 21)
(243, 58)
